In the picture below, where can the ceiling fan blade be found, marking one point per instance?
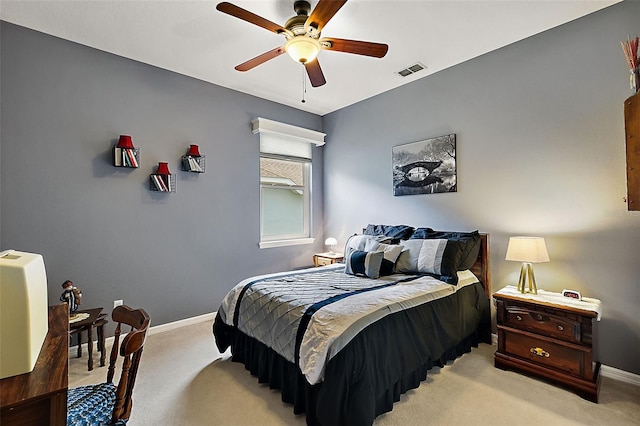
(323, 12)
(245, 15)
(315, 73)
(260, 59)
(366, 48)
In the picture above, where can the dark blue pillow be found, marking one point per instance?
(422, 234)
(395, 232)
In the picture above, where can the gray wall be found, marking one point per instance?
(540, 136)
(63, 107)
(540, 150)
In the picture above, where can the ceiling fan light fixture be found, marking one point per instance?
(302, 48)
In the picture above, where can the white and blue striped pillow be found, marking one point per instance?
(364, 263)
(421, 256)
(391, 253)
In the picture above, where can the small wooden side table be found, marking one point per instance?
(321, 259)
(95, 320)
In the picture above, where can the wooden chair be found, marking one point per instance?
(106, 403)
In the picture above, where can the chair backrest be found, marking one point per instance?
(131, 351)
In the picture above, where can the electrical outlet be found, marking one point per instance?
(117, 303)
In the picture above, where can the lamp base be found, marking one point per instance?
(527, 279)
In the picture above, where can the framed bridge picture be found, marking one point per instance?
(425, 167)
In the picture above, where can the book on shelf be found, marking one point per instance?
(117, 157)
(125, 159)
(194, 166)
(131, 157)
(159, 183)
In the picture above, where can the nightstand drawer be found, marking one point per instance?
(542, 352)
(322, 261)
(541, 322)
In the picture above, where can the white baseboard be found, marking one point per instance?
(605, 370)
(181, 323)
(156, 329)
(621, 375)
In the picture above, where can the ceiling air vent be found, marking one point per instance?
(411, 69)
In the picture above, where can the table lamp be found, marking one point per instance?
(330, 242)
(527, 250)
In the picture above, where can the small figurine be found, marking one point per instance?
(71, 295)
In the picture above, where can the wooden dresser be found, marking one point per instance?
(548, 340)
(39, 398)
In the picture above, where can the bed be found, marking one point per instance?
(341, 342)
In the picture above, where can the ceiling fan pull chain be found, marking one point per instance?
(304, 84)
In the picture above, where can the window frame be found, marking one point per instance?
(289, 239)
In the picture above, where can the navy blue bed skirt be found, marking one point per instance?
(385, 360)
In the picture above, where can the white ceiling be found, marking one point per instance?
(192, 38)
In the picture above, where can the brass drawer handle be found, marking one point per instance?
(519, 317)
(539, 352)
(539, 317)
(560, 328)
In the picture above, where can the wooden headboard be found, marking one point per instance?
(482, 267)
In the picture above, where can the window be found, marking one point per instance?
(284, 197)
(285, 182)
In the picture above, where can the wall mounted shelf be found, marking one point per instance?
(162, 180)
(192, 161)
(125, 154)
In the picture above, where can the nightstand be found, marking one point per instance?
(321, 259)
(549, 336)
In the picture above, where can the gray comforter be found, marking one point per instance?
(308, 316)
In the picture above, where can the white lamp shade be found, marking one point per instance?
(527, 249)
(330, 242)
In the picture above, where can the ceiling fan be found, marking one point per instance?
(303, 37)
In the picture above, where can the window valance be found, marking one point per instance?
(286, 139)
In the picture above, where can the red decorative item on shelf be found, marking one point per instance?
(163, 169)
(193, 151)
(125, 142)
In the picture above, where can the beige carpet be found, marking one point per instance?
(184, 380)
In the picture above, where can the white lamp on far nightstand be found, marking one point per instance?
(527, 250)
(330, 242)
